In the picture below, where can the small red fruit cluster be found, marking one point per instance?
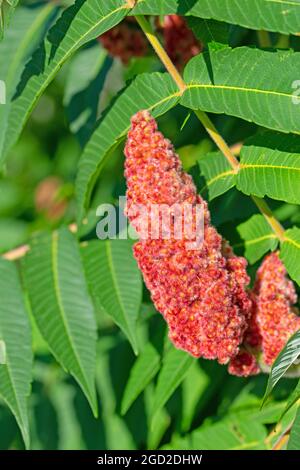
(274, 319)
(126, 40)
(202, 293)
(180, 41)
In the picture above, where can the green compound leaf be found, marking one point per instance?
(271, 15)
(20, 40)
(115, 282)
(218, 174)
(176, 364)
(258, 238)
(233, 434)
(15, 337)
(230, 81)
(270, 166)
(143, 371)
(284, 360)
(79, 24)
(62, 307)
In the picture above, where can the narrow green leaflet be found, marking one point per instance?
(270, 15)
(115, 281)
(293, 398)
(230, 81)
(143, 371)
(20, 40)
(61, 305)
(258, 237)
(218, 174)
(194, 387)
(85, 81)
(176, 364)
(156, 92)
(270, 166)
(160, 423)
(283, 362)
(79, 24)
(290, 253)
(294, 440)
(230, 435)
(15, 336)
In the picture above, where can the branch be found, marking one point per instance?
(206, 122)
(162, 54)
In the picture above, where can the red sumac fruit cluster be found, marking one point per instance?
(126, 40)
(202, 293)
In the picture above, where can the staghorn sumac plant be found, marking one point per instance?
(191, 110)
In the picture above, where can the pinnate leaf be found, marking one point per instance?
(61, 305)
(258, 237)
(229, 81)
(279, 16)
(15, 335)
(283, 362)
(115, 282)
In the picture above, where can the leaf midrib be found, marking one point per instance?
(253, 241)
(268, 166)
(240, 88)
(291, 241)
(54, 258)
(117, 290)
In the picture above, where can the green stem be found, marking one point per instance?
(155, 43)
(206, 122)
